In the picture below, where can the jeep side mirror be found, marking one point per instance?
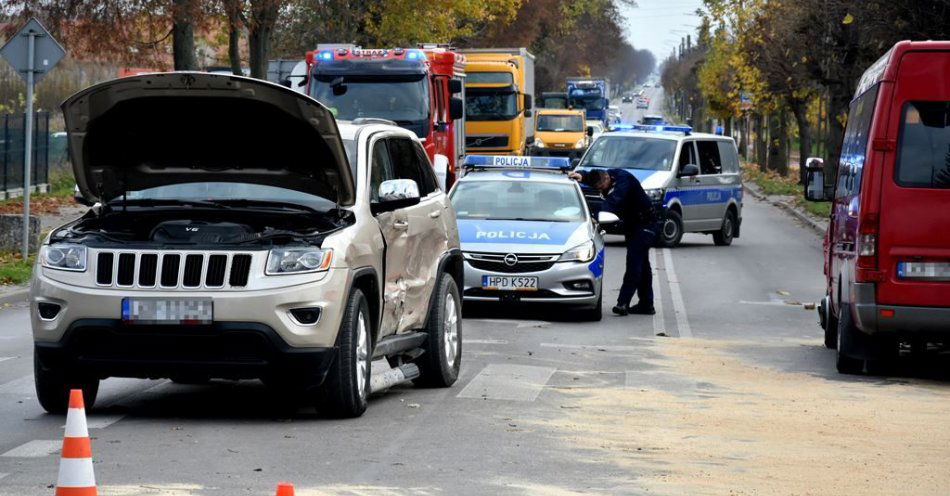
(606, 218)
(455, 86)
(456, 108)
(689, 170)
(395, 194)
(440, 165)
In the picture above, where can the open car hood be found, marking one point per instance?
(140, 132)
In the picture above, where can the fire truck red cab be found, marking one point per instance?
(419, 89)
(887, 249)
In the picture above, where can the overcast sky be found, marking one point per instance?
(658, 25)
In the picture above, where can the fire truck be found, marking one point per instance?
(420, 89)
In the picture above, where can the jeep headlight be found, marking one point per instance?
(581, 143)
(538, 143)
(64, 256)
(655, 195)
(298, 260)
(583, 252)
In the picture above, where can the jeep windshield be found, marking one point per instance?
(517, 200)
(230, 195)
(404, 99)
(628, 152)
(490, 105)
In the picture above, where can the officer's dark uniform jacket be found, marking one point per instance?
(628, 201)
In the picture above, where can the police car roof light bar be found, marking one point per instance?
(551, 164)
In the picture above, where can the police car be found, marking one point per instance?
(693, 179)
(527, 234)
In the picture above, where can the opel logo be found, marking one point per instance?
(511, 259)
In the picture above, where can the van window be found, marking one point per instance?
(709, 161)
(729, 156)
(923, 159)
(855, 145)
(688, 155)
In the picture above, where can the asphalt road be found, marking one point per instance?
(727, 390)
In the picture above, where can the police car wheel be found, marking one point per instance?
(443, 347)
(671, 231)
(596, 313)
(725, 234)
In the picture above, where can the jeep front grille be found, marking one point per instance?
(172, 270)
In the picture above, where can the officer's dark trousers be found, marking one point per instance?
(638, 278)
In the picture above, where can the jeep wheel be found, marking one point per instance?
(346, 389)
(443, 347)
(671, 231)
(725, 234)
(52, 388)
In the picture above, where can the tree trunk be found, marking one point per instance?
(775, 155)
(183, 35)
(744, 136)
(759, 141)
(263, 17)
(727, 128)
(233, 10)
(837, 106)
(804, 136)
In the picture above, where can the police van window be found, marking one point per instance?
(709, 161)
(923, 159)
(381, 169)
(628, 152)
(729, 156)
(406, 164)
(688, 154)
(855, 144)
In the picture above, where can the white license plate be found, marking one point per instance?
(929, 271)
(178, 311)
(510, 283)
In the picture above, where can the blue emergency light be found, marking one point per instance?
(662, 128)
(325, 55)
(415, 55)
(514, 162)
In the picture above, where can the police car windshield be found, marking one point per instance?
(560, 123)
(404, 100)
(517, 200)
(629, 152)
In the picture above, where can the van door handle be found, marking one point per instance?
(435, 214)
(401, 224)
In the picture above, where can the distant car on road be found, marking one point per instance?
(296, 265)
(560, 133)
(627, 99)
(652, 120)
(694, 179)
(887, 252)
(527, 235)
(643, 103)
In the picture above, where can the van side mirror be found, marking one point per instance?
(590, 130)
(528, 103)
(527, 113)
(689, 170)
(606, 218)
(456, 108)
(440, 165)
(455, 86)
(815, 186)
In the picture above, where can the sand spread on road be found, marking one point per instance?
(753, 430)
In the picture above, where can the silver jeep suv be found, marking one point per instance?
(240, 233)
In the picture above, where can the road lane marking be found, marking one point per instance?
(679, 308)
(658, 323)
(484, 341)
(2, 475)
(607, 347)
(3, 359)
(101, 421)
(508, 382)
(34, 449)
(20, 386)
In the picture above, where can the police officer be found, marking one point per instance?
(624, 197)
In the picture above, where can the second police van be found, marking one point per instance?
(693, 178)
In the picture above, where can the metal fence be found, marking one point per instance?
(12, 142)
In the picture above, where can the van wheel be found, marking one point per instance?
(845, 344)
(52, 388)
(440, 363)
(831, 330)
(671, 231)
(346, 389)
(725, 234)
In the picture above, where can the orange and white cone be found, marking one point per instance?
(76, 477)
(285, 489)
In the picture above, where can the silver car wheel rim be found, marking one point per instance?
(362, 355)
(450, 330)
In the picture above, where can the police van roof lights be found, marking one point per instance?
(514, 162)
(659, 128)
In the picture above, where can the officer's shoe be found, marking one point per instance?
(639, 309)
(621, 309)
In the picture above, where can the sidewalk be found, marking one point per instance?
(13, 293)
(817, 224)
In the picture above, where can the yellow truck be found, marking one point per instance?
(499, 92)
(560, 133)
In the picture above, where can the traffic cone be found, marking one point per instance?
(285, 489)
(76, 477)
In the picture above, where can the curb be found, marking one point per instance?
(794, 211)
(15, 296)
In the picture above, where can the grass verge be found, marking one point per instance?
(773, 184)
(15, 270)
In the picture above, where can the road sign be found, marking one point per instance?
(32, 52)
(46, 51)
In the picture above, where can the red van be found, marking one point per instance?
(887, 249)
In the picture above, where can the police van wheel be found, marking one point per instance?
(725, 234)
(671, 231)
(847, 337)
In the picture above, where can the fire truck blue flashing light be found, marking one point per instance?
(514, 162)
(415, 55)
